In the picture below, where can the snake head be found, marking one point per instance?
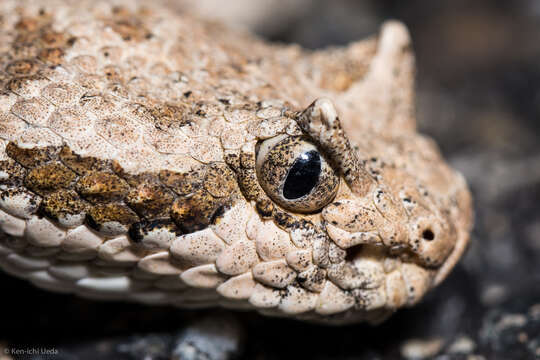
(396, 217)
(398, 205)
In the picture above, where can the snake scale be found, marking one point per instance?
(147, 155)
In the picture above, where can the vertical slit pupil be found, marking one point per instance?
(303, 175)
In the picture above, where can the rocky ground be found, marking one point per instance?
(479, 96)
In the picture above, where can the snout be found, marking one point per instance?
(425, 239)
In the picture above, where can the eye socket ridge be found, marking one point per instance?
(303, 175)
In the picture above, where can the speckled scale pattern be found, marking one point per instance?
(128, 139)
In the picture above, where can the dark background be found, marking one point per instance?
(479, 97)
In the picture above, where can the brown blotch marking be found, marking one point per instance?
(82, 165)
(167, 116)
(129, 25)
(28, 24)
(197, 211)
(62, 203)
(53, 39)
(152, 196)
(219, 181)
(131, 30)
(182, 183)
(101, 214)
(49, 177)
(34, 37)
(26, 67)
(52, 56)
(101, 186)
(150, 200)
(139, 230)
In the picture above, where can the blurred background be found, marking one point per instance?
(478, 85)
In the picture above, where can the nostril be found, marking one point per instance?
(353, 252)
(428, 234)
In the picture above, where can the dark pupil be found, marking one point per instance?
(303, 176)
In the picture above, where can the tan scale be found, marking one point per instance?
(151, 156)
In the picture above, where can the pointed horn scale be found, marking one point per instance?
(382, 101)
(321, 122)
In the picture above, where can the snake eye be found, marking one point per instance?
(295, 174)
